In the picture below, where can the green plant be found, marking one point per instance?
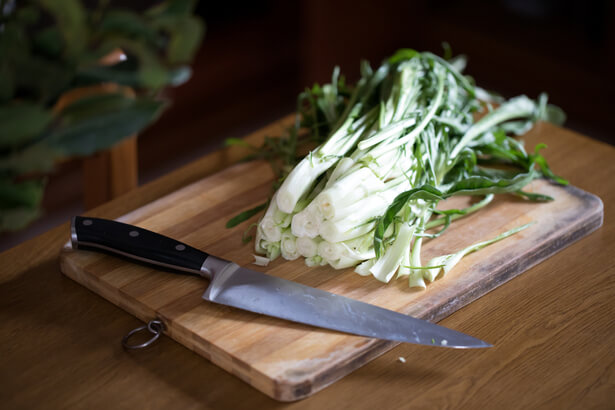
(53, 48)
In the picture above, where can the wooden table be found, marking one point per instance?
(553, 327)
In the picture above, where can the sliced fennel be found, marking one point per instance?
(261, 260)
(388, 150)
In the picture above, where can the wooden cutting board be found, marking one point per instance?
(290, 361)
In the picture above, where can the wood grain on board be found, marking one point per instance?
(289, 361)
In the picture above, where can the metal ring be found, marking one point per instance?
(156, 327)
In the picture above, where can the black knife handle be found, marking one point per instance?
(136, 243)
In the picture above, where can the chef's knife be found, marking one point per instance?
(249, 290)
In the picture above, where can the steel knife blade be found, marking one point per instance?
(257, 292)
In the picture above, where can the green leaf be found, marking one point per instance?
(237, 141)
(245, 215)
(172, 8)
(21, 122)
(14, 39)
(49, 42)
(501, 152)
(28, 15)
(91, 105)
(403, 55)
(19, 203)
(97, 122)
(453, 214)
(179, 75)
(14, 45)
(152, 75)
(7, 81)
(86, 126)
(131, 25)
(544, 167)
(42, 79)
(48, 78)
(71, 19)
(185, 34)
(38, 157)
(555, 115)
(14, 219)
(447, 51)
(425, 192)
(126, 73)
(123, 73)
(492, 182)
(20, 194)
(246, 236)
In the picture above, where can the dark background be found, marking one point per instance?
(258, 55)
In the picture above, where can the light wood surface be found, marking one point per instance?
(288, 361)
(552, 327)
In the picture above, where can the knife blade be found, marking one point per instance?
(257, 292)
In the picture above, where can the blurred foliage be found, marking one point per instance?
(53, 48)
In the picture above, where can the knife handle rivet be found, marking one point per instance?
(180, 247)
(87, 222)
(133, 234)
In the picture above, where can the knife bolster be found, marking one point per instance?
(212, 266)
